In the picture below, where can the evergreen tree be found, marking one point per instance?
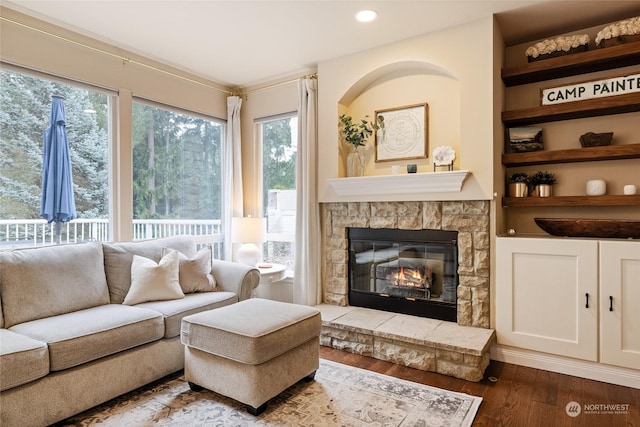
(278, 157)
(177, 161)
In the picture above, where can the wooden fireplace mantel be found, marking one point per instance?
(410, 183)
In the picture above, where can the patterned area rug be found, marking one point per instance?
(341, 395)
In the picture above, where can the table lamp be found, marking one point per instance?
(248, 231)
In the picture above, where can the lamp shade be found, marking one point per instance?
(248, 229)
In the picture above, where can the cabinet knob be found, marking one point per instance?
(610, 303)
(586, 296)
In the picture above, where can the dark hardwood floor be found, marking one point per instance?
(520, 396)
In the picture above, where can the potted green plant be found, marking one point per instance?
(542, 182)
(356, 135)
(519, 184)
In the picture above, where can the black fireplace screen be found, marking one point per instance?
(406, 271)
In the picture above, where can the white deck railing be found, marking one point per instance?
(37, 232)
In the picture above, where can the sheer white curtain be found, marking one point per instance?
(306, 284)
(232, 172)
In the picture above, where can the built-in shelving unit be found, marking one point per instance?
(572, 65)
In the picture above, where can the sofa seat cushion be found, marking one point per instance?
(86, 335)
(252, 331)
(22, 359)
(174, 310)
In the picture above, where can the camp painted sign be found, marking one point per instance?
(590, 90)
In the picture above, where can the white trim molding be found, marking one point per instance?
(409, 183)
(565, 365)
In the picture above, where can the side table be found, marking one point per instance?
(270, 273)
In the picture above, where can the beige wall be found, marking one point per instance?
(452, 70)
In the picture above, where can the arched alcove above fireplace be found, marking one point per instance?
(397, 85)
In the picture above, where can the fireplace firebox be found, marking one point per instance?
(404, 271)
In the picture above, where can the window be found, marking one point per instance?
(25, 107)
(279, 149)
(177, 178)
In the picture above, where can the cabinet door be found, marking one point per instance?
(620, 303)
(546, 295)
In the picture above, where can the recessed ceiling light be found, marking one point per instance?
(366, 15)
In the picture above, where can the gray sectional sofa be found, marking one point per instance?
(70, 341)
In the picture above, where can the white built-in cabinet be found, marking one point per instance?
(620, 303)
(577, 298)
(546, 295)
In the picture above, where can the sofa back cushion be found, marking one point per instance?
(119, 256)
(42, 282)
(195, 273)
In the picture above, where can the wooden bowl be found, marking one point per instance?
(603, 228)
(591, 139)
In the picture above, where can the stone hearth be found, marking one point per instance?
(417, 342)
(460, 349)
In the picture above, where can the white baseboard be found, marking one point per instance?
(564, 365)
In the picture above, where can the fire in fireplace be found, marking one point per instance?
(404, 271)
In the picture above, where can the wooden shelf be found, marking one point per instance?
(626, 103)
(574, 155)
(556, 201)
(598, 59)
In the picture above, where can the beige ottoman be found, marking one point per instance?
(251, 351)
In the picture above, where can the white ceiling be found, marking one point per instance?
(244, 43)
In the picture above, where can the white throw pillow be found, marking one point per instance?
(154, 282)
(195, 273)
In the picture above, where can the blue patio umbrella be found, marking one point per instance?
(57, 203)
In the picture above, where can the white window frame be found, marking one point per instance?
(273, 237)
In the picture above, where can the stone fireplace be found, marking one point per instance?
(470, 219)
(458, 348)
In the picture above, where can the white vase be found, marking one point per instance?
(596, 187)
(355, 167)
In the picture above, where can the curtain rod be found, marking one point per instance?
(124, 60)
(258, 89)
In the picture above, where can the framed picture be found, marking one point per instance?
(404, 134)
